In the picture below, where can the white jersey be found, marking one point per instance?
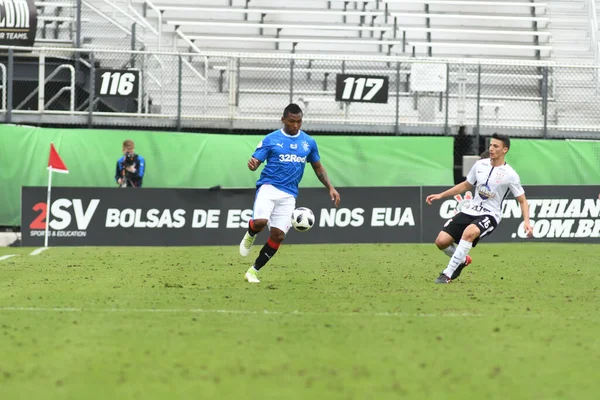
(492, 185)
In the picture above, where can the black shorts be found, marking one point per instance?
(456, 225)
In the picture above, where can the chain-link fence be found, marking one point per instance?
(57, 21)
(106, 24)
(387, 95)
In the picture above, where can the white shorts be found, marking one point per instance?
(275, 206)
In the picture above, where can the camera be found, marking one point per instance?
(129, 178)
(129, 159)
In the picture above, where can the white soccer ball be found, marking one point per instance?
(303, 219)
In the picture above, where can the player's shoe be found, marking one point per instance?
(246, 244)
(251, 275)
(443, 279)
(456, 273)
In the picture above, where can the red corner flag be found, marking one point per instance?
(55, 163)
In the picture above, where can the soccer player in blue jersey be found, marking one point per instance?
(286, 152)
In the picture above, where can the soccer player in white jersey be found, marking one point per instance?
(493, 179)
(286, 152)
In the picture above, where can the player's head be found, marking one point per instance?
(128, 146)
(485, 154)
(499, 146)
(292, 119)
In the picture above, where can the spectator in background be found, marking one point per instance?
(130, 167)
(485, 154)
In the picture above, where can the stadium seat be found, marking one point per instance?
(514, 29)
(56, 23)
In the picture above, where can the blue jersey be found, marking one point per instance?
(286, 158)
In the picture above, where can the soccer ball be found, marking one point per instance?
(303, 219)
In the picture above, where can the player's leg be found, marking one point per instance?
(261, 212)
(447, 245)
(479, 227)
(279, 222)
(470, 234)
(265, 254)
(445, 242)
(451, 234)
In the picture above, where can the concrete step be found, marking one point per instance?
(570, 46)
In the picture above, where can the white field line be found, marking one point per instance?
(7, 256)
(38, 251)
(207, 311)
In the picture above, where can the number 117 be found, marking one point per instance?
(359, 85)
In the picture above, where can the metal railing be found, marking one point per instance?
(593, 27)
(249, 91)
(3, 68)
(159, 23)
(41, 89)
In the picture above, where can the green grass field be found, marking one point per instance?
(326, 322)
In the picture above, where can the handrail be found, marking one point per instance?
(129, 16)
(52, 75)
(3, 68)
(187, 40)
(63, 89)
(157, 11)
(194, 70)
(155, 80)
(107, 17)
(141, 18)
(593, 26)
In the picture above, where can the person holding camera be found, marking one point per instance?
(130, 167)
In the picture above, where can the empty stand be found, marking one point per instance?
(56, 22)
(223, 85)
(488, 29)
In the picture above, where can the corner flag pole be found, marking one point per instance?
(48, 206)
(55, 164)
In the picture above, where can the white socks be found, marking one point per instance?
(449, 251)
(459, 256)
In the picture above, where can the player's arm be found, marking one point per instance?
(525, 211)
(460, 188)
(260, 154)
(519, 193)
(253, 163)
(322, 175)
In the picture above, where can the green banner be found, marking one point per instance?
(555, 162)
(187, 160)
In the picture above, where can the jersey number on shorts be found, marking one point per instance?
(485, 223)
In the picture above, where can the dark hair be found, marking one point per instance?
(503, 138)
(292, 108)
(485, 154)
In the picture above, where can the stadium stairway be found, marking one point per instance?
(576, 92)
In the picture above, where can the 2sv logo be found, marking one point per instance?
(62, 215)
(371, 89)
(118, 83)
